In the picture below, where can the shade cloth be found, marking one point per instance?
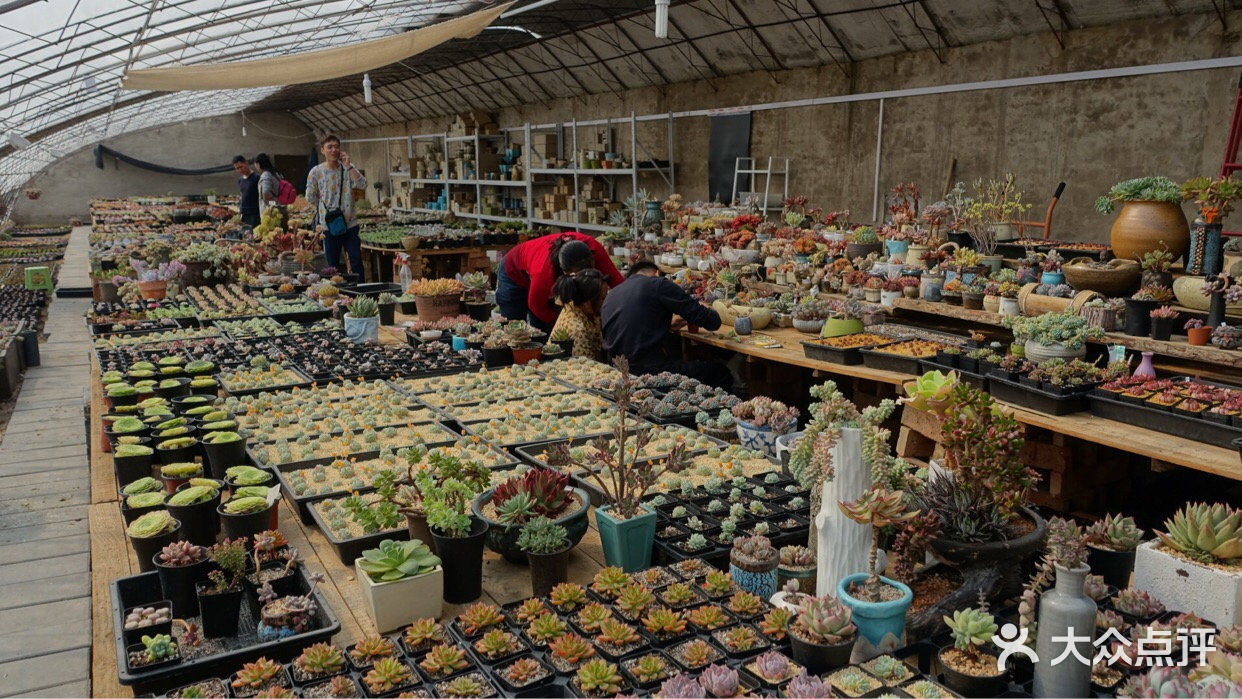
(312, 66)
(102, 150)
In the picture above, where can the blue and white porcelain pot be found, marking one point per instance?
(757, 438)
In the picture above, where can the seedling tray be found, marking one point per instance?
(1036, 399)
(230, 653)
(837, 355)
(1166, 421)
(349, 549)
(900, 363)
(306, 381)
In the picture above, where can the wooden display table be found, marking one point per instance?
(1085, 426)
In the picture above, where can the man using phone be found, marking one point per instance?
(329, 188)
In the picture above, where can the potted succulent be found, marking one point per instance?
(809, 316)
(1054, 335)
(224, 449)
(822, 637)
(436, 298)
(761, 420)
(547, 546)
(387, 308)
(967, 669)
(1196, 333)
(1162, 320)
(1062, 609)
(519, 336)
(181, 565)
(1151, 217)
(1139, 308)
(863, 242)
(1194, 562)
(626, 525)
(149, 534)
(1050, 267)
(194, 505)
(538, 492)
(878, 604)
(1111, 543)
(401, 581)
(131, 461)
(362, 320)
(219, 599)
(458, 537)
(796, 563)
(752, 564)
(243, 516)
(496, 351)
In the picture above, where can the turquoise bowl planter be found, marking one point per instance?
(1052, 278)
(762, 584)
(459, 343)
(627, 542)
(882, 624)
(897, 247)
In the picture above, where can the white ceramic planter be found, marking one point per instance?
(888, 297)
(1008, 306)
(1214, 594)
(400, 602)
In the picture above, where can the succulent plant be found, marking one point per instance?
(717, 583)
(386, 675)
(599, 676)
(1137, 603)
(1159, 682)
(807, 687)
(1108, 619)
(970, 629)
(610, 581)
(1229, 639)
(664, 621)
(479, 616)
(571, 648)
(886, 667)
(776, 622)
(320, 659)
(471, 685)
(678, 594)
(772, 666)
(181, 553)
(530, 609)
(649, 668)
(568, 596)
(1115, 533)
(854, 682)
(423, 632)
(151, 524)
(444, 660)
(158, 647)
(745, 603)
(824, 621)
(754, 552)
(709, 616)
(593, 616)
(1205, 533)
(522, 671)
(497, 642)
(255, 674)
(634, 599)
(617, 634)
(1095, 587)
(370, 649)
(697, 653)
(719, 680)
(740, 638)
(681, 686)
(546, 627)
(797, 557)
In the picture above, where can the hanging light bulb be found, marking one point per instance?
(366, 88)
(661, 19)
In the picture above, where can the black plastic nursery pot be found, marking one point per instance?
(147, 547)
(970, 685)
(178, 583)
(178, 455)
(169, 392)
(1162, 328)
(387, 313)
(245, 526)
(1138, 317)
(548, 570)
(498, 357)
(222, 455)
(462, 559)
(220, 611)
(479, 311)
(818, 659)
(1114, 566)
(130, 468)
(199, 522)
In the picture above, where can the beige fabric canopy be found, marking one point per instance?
(311, 66)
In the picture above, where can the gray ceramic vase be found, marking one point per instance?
(1061, 609)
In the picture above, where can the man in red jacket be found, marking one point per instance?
(528, 272)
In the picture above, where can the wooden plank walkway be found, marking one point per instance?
(45, 583)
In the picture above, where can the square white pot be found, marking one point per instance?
(1186, 586)
(397, 603)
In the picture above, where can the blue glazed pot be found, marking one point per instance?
(758, 438)
(459, 343)
(762, 584)
(1052, 278)
(627, 542)
(898, 248)
(883, 624)
(743, 325)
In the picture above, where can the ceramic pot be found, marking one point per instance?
(153, 291)
(930, 285)
(1052, 278)
(872, 295)
(399, 602)
(856, 250)
(626, 542)
(1198, 336)
(972, 300)
(1205, 251)
(360, 330)
(433, 308)
(897, 248)
(1143, 226)
(1063, 609)
(1039, 354)
(994, 262)
(1007, 306)
(991, 303)
(811, 327)
(758, 438)
(888, 297)
(881, 625)
(835, 327)
(502, 538)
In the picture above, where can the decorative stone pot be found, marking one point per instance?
(1143, 226)
(755, 576)
(888, 297)
(1062, 610)
(991, 303)
(930, 285)
(1039, 354)
(1205, 248)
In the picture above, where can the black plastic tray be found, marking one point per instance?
(145, 588)
(1036, 399)
(350, 549)
(891, 362)
(266, 389)
(837, 355)
(1165, 421)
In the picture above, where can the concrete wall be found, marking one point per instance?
(70, 183)
(1089, 134)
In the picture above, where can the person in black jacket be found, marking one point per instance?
(637, 317)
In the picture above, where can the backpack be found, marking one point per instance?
(285, 193)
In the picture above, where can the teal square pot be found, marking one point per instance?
(882, 624)
(627, 542)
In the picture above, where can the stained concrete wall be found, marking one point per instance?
(70, 183)
(1089, 134)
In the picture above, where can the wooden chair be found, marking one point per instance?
(1045, 224)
